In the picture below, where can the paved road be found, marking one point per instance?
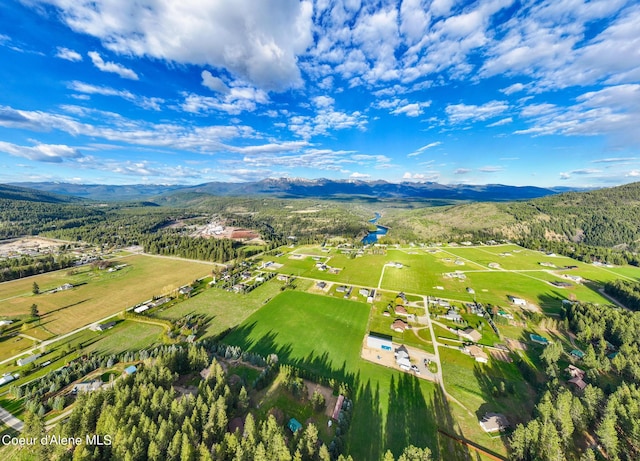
(11, 420)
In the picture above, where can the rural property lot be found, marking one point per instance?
(96, 293)
(324, 335)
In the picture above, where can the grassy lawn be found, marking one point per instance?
(477, 385)
(324, 335)
(96, 294)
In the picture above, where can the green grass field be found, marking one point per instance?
(222, 309)
(96, 294)
(127, 335)
(324, 335)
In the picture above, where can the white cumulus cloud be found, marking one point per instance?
(111, 66)
(256, 41)
(69, 55)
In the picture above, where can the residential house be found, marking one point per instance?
(453, 315)
(494, 422)
(577, 354)
(294, 425)
(399, 325)
(102, 326)
(470, 334)
(477, 353)
(578, 382)
(87, 386)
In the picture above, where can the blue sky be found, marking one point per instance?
(191, 91)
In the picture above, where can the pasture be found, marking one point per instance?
(96, 293)
(221, 309)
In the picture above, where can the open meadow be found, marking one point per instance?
(95, 294)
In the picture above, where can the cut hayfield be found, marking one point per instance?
(96, 294)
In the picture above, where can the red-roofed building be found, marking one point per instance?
(400, 310)
(399, 325)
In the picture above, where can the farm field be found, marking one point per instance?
(127, 335)
(96, 294)
(222, 308)
(391, 409)
(363, 270)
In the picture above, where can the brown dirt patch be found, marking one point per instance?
(516, 345)
(326, 392)
(500, 355)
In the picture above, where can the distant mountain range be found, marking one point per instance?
(292, 188)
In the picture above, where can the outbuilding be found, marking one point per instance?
(379, 341)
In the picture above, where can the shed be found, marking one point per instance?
(294, 425)
(26, 360)
(6, 378)
(517, 301)
(577, 354)
(131, 369)
(140, 309)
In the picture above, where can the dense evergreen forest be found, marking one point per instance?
(607, 408)
(603, 218)
(625, 291)
(144, 417)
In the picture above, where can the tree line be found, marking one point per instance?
(625, 291)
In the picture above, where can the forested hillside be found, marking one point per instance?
(605, 217)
